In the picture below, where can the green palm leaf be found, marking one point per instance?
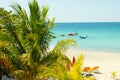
(25, 39)
(63, 45)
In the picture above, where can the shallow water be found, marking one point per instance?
(103, 36)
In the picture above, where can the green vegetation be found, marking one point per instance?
(24, 46)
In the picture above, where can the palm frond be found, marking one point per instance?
(63, 45)
(45, 73)
(20, 11)
(77, 69)
(57, 54)
(50, 59)
(44, 12)
(34, 13)
(52, 23)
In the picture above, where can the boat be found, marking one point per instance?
(70, 34)
(83, 37)
(73, 34)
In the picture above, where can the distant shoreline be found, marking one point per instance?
(86, 49)
(97, 50)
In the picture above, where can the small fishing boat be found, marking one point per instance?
(70, 34)
(83, 37)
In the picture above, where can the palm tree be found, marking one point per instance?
(5, 65)
(25, 43)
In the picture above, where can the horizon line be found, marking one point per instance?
(91, 22)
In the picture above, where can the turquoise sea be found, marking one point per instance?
(102, 36)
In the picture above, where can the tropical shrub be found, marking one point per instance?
(24, 46)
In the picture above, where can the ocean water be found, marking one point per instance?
(103, 36)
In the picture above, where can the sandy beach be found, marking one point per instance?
(108, 62)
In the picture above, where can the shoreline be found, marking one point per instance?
(77, 51)
(89, 49)
(107, 61)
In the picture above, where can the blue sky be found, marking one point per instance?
(76, 10)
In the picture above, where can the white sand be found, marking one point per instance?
(107, 61)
